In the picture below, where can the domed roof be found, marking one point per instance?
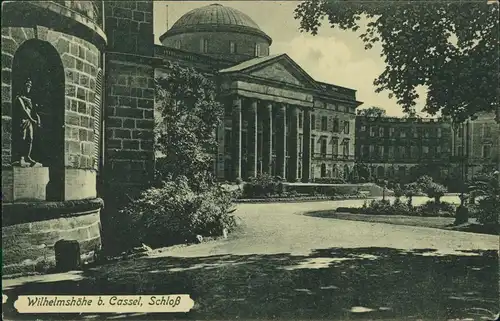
(215, 17)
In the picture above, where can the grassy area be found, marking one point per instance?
(433, 222)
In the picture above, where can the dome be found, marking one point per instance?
(215, 17)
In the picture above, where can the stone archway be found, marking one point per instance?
(380, 172)
(39, 61)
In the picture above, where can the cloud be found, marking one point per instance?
(331, 60)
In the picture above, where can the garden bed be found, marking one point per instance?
(293, 199)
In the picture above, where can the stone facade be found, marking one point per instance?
(475, 143)
(393, 147)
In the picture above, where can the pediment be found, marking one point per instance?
(278, 72)
(278, 68)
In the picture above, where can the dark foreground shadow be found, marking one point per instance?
(333, 284)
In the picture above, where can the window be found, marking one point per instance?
(380, 152)
(257, 50)
(425, 150)
(204, 45)
(486, 151)
(335, 146)
(177, 44)
(391, 151)
(324, 123)
(323, 146)
(345, 147)
(232, 47)
(381, 132)
(301, 139)
(426, 133)
(301, 120)
(363, 128)
(312, 146)
(366, 151)
(362, 150)
(486, 130)
(402, 133)
(346, 127)
(227, 141)
(371, 151)
(336, 125)
(313, 122)
(439, 132)
(391, 132)
(97, 119)
(460, 151)
(372, 131)
(438, 151)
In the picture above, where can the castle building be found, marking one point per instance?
(395, 148)
(279, 120)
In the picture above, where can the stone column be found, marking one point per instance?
(281, 141)
(267, 138)
(294, 136)
(236, 139)
(306, 146)
(252, 139)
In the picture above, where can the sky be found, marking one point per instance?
(333, 56)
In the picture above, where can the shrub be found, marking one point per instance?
(174, 213)
(329, 180)
(263, 186)
(488, 210)
(431, 208)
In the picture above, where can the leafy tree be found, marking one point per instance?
(449, 47)
(187, 119)
(432, 189)
(372, 112)
(410, 190)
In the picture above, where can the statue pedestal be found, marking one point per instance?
(24, 184)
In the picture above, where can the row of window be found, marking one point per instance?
(233, 48)
(324, 126)
(402, 132)
(399, 151)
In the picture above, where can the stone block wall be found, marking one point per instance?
(29, 247)
(129, 122)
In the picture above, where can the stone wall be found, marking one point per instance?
(29, 247)
(129, 120)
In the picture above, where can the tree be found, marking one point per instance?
(187, 119)
(432, 189)
(449, 47)
(372, 112)
(410, 190)
(486, 188)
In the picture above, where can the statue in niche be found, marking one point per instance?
(26, 122)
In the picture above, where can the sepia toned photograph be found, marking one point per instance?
(250, 160)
